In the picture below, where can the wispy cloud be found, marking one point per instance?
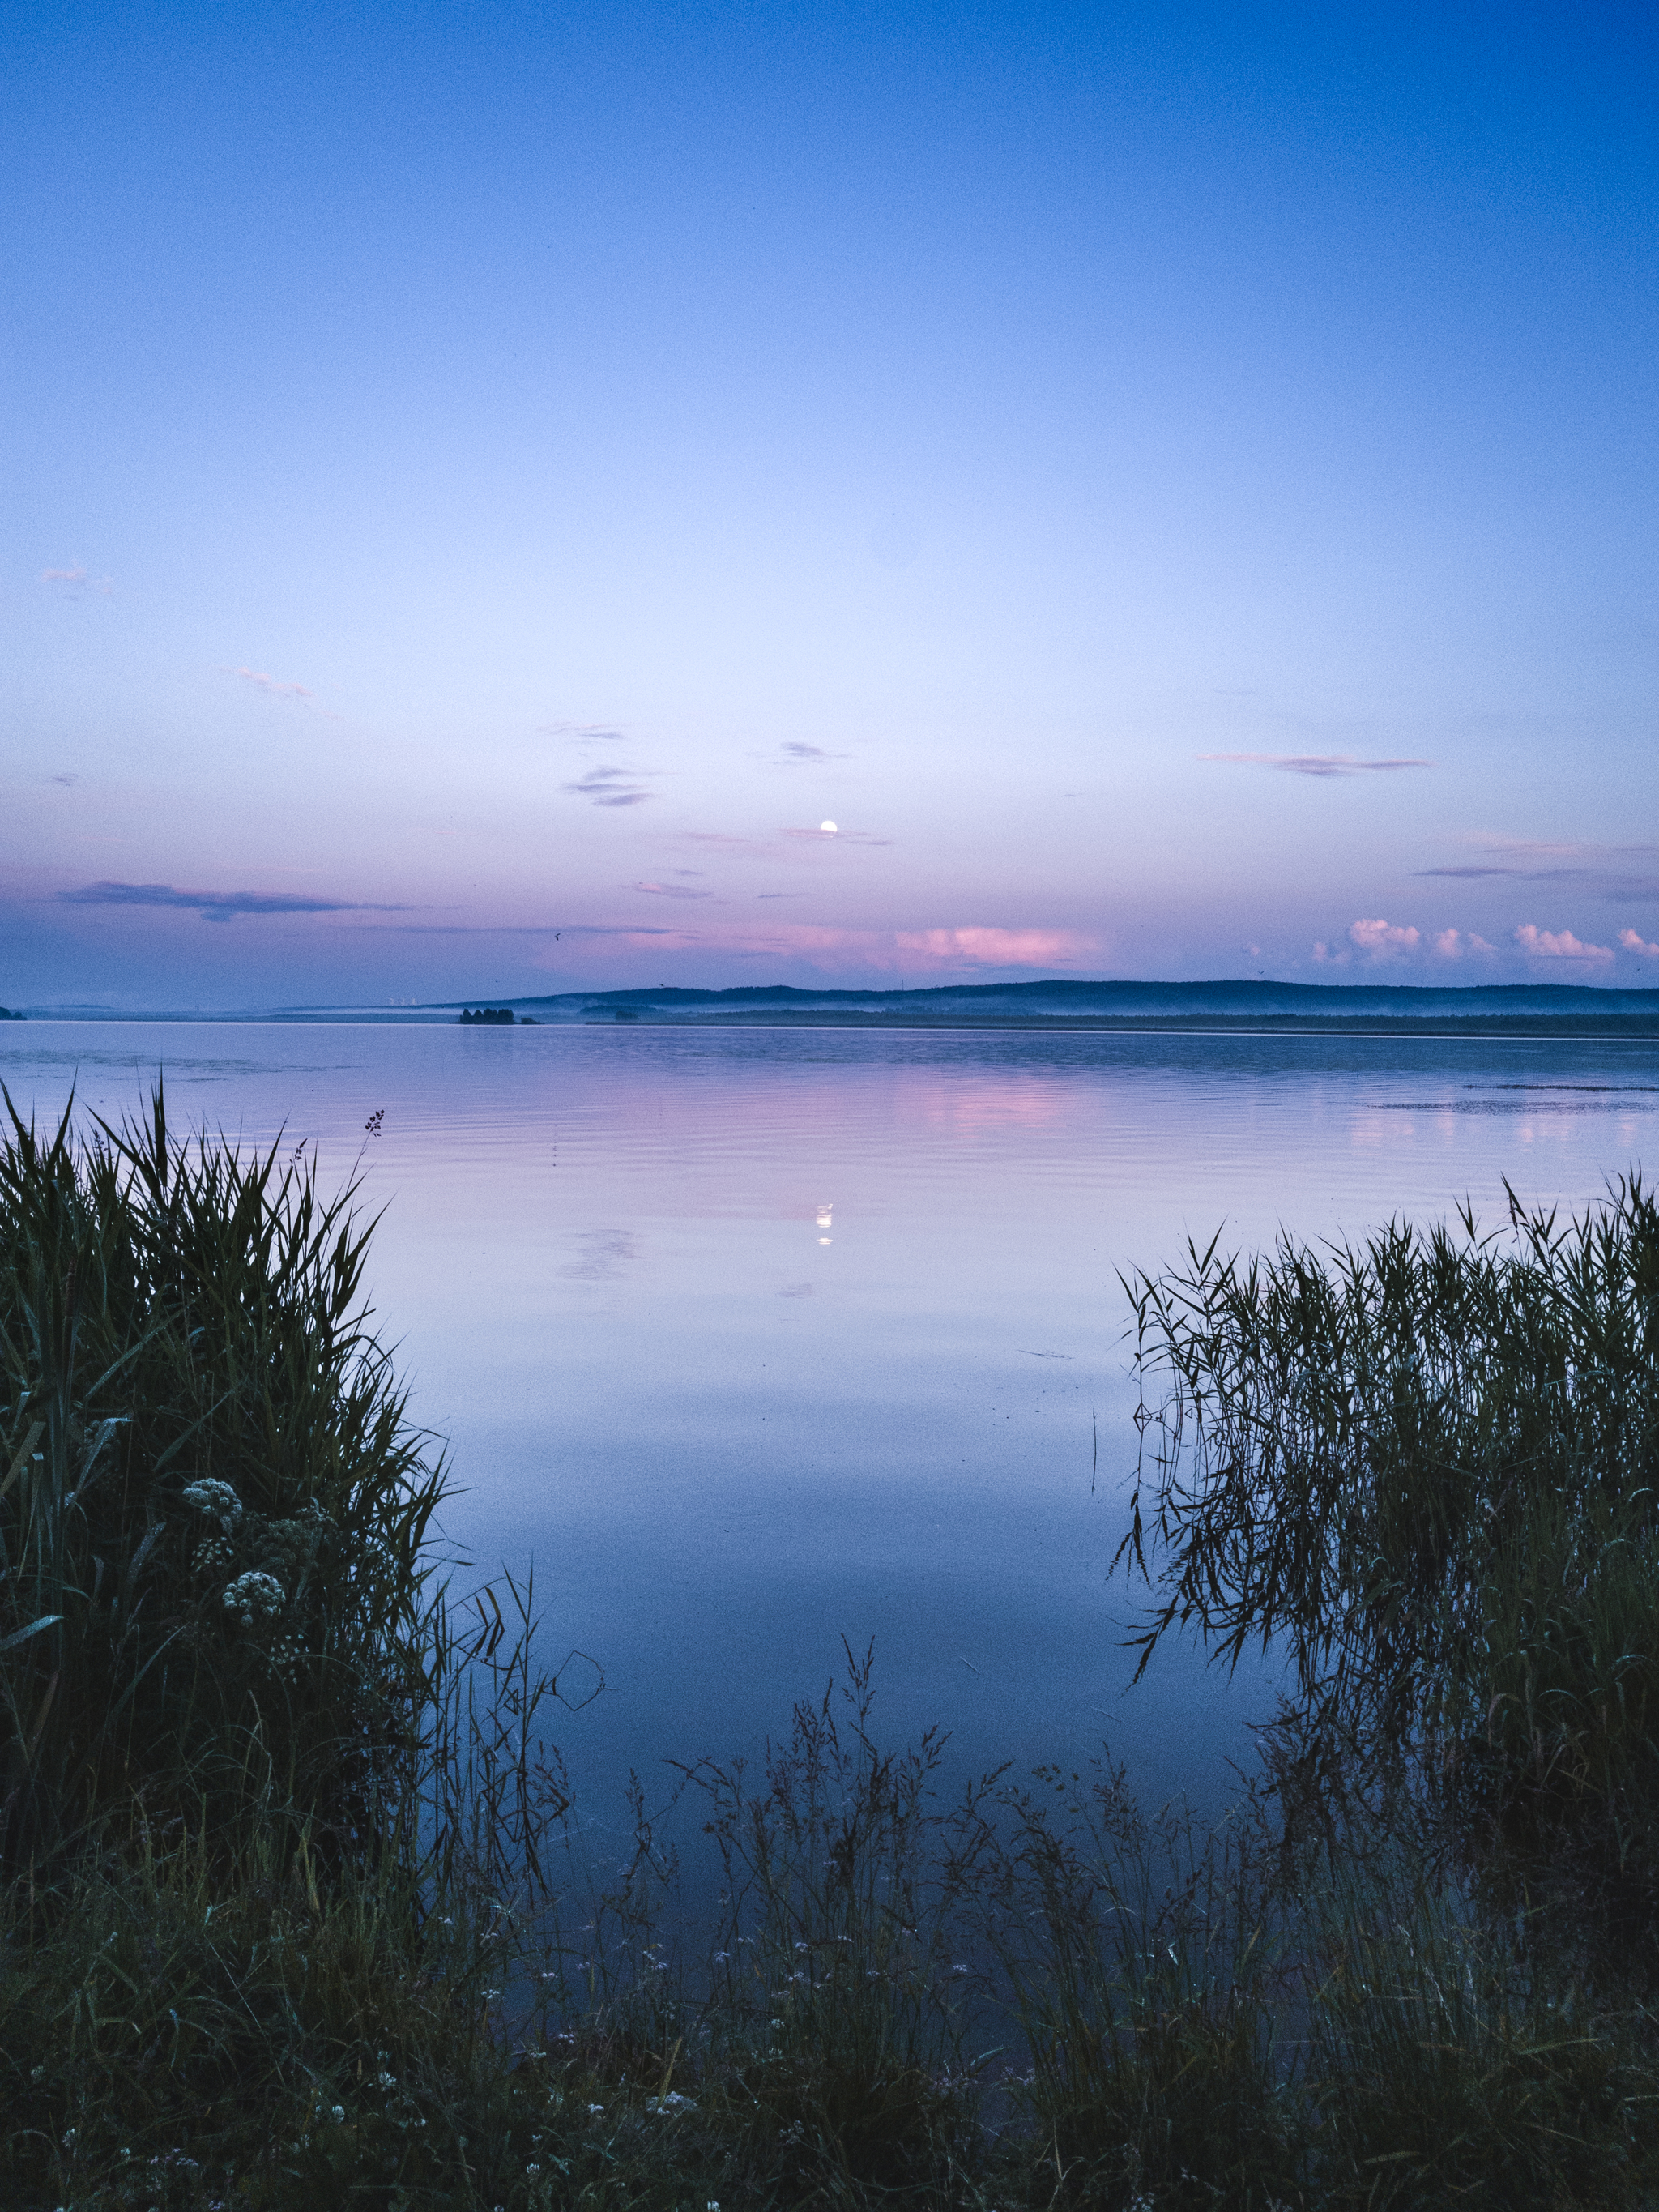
(217, 906)
(785, 845)
(794, 753)
(1619, 871)
(608, 786)
(272, 688)
(669, 890)
(1316, 764)
(1559, 944)
(751, 848)
(74, 582)
(609, 783)
(66, 776)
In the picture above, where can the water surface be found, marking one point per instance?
(755, 1340)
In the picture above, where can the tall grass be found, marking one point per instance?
(215, 1519)
(291, 1914)
(1423, 1469)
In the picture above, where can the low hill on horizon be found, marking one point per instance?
(1061, 998)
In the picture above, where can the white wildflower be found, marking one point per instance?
(255, 1596)
(216, 1499)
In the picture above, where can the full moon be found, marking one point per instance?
(829, 826)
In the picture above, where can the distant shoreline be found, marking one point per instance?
(1542, 1027)
(1232, 1006)
(1520, 1029)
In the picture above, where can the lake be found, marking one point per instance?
(754, 1339)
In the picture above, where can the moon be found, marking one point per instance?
(828, 826)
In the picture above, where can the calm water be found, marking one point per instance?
(753, 1339)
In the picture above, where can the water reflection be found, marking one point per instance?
(591, 1260)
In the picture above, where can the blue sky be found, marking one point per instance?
(473, 474)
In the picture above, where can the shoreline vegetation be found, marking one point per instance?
(1542, 1028)
(296, 1912)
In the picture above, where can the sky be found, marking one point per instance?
(516, 499)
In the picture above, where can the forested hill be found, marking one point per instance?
(1226, 1000)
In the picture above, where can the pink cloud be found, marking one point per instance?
(63, 575)
(997, 948)
(1448, 943)
(1558, 945)
(1382, 939)
(1634, 941)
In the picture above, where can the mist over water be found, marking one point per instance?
(755, 1340)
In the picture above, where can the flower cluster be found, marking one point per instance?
(254, 1597)
(216, 1499)
(263, 1567)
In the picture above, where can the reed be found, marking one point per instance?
(1422, 1469)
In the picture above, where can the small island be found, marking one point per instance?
(496, 1016)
